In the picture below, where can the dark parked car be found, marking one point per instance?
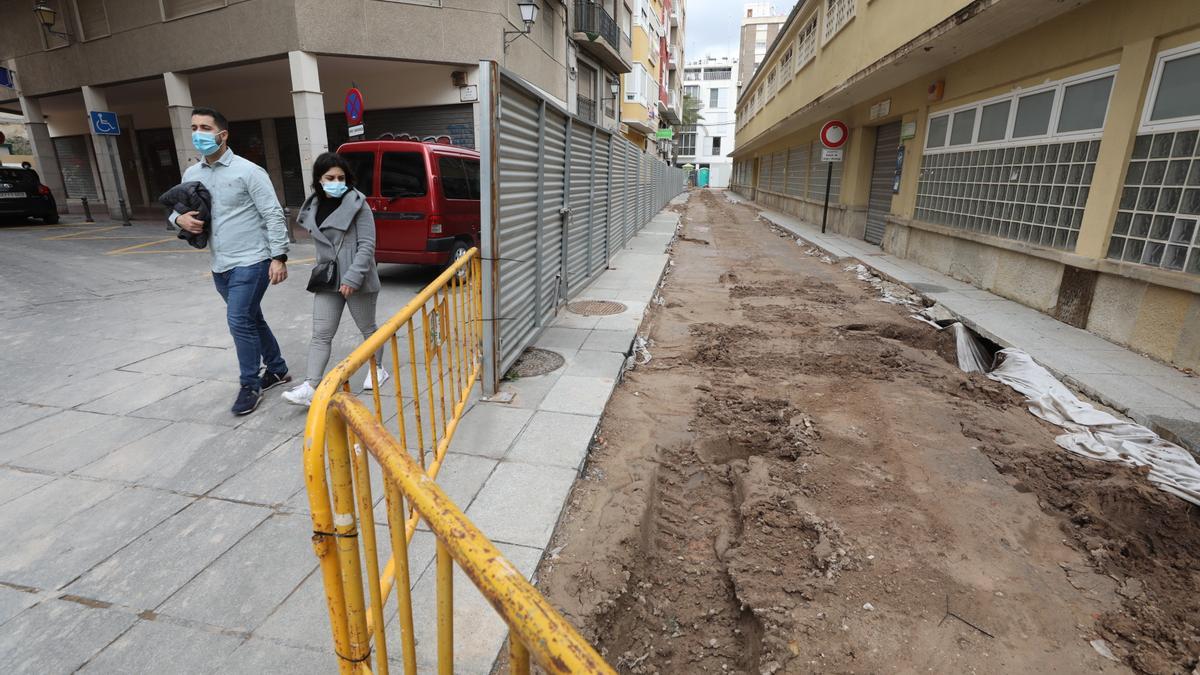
(23, 196)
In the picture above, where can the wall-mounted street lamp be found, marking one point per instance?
(47, 16)
(529, 13)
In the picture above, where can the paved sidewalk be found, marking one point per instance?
(1150, 393)
(149, 529)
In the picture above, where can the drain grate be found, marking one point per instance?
(534, 362)
(596, 307)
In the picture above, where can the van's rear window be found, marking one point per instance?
(18, 177)
(363, 165)
(402, 174)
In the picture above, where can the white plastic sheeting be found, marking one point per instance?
(1096, 434)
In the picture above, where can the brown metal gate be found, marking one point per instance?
(887, 146)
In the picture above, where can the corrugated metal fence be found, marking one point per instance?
(566, 196)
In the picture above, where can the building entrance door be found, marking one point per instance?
(883, 172)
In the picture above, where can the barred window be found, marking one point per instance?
(1159, 212)
(806, 43)
(837, 14)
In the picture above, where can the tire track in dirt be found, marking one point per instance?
(800, 481)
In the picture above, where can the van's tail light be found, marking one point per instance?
(435, 224)
(43, 191)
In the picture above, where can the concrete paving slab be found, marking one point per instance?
(77, 544)
(15, 483)
(16, 415)
(520, 503)
(618, 341)
(83, 448)
(186, 457)
(57, 636)
(579, 395)
(555, 439)
(1123, 392)
(531, 391)
(13, 602)
(488, 429)
(589, 363)
(264, 657)
(271, 479)
(39, 511)
(89, 389)
(127, 400)
(473, 616)
(558, 339)
(206, 402)
(158, 646)
(245, 585)
(208, 363)
(154, 566)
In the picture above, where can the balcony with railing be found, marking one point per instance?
(598, 34)
(585, 108)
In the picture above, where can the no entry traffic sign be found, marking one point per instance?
(834, 134)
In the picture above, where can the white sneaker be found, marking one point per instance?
(383, 374)
(302, 395)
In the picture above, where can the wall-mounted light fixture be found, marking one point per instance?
(47, 16)
(529, 14)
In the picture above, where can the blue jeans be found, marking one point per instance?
(242, 289)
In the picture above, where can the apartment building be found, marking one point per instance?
(706, 145)
(1046, 152)
(653, 89)
(280, 72)
(760, 26)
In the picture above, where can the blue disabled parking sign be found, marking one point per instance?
(105, 123)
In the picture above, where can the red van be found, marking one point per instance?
(425, 197)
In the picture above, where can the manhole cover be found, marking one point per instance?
(596, 307)
(535, 362)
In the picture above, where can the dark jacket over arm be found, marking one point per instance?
(187, 197)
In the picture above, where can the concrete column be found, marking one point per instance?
(43, 150)
(1116, 146)
(112, 185)
(904, 204)
(309, 107)
(179, 107)
(271, 149)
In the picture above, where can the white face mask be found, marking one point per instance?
(334, 189)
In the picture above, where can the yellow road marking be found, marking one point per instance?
(128, 249)
(174, 250)
(302, 261)
(91, 230)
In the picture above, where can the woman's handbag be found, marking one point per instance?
(325, 275)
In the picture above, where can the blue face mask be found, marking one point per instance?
(205, 142)
(335, 189)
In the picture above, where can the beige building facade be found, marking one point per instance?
(279, 70)
(1046, 152)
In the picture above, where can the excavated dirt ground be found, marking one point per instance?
(801, 481)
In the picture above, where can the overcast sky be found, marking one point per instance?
(713, 26)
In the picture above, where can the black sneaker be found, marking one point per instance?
(271, 380)
(247, 401)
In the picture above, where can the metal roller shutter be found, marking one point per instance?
(581, 191)
(554, 165)
(455, 122)
(75, 157)
(887, 146)
(598, 254)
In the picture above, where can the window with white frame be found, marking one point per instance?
(806, 43)
(1073, 107)
(785, 64)
(637, 84)
(1158, 215)
(838, 13)
(772, 80)
(1174, 98)
(692, 90)
(1018, 166)
(176, 9)
(716, 146)
(92, 16)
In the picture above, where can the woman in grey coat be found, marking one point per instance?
(340, 222)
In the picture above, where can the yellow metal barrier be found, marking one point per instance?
(441, 327)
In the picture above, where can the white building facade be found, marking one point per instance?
(707, 144)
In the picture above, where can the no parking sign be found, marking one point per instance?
(354, 111)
